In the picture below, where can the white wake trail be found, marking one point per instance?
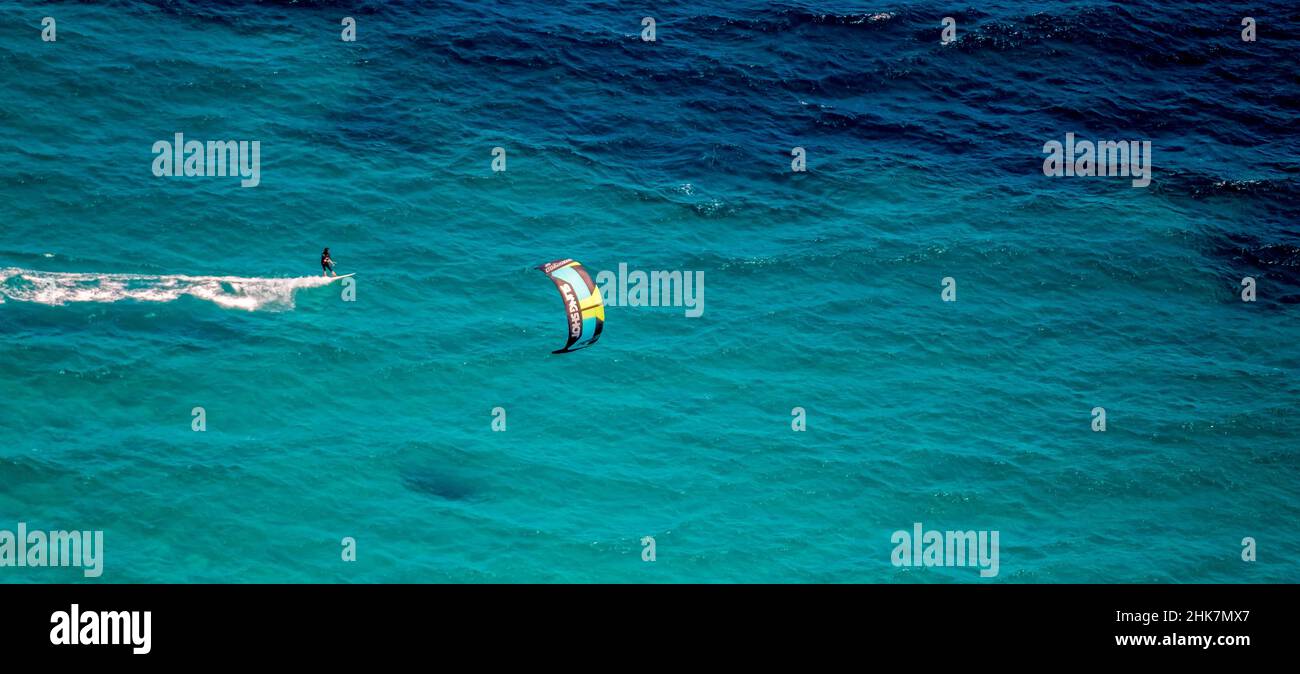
(232, 292)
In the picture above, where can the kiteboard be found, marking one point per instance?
(335, 278)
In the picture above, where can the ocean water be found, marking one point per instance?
(128, 299)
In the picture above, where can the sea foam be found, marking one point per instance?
(231, 292)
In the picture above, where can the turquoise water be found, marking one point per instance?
(373, 419)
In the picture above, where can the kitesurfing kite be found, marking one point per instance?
(582, 302)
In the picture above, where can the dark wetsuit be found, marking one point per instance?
(326, 263)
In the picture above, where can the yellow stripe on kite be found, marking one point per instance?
(592, 300)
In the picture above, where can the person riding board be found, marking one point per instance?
(326, 264)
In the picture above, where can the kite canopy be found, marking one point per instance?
(583, 307)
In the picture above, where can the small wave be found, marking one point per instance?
(1205, 185)
(786, 19)
(230, 292)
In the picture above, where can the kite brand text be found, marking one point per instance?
(571, 306)
(637, 288)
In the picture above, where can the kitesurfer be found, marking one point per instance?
(326, 264)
